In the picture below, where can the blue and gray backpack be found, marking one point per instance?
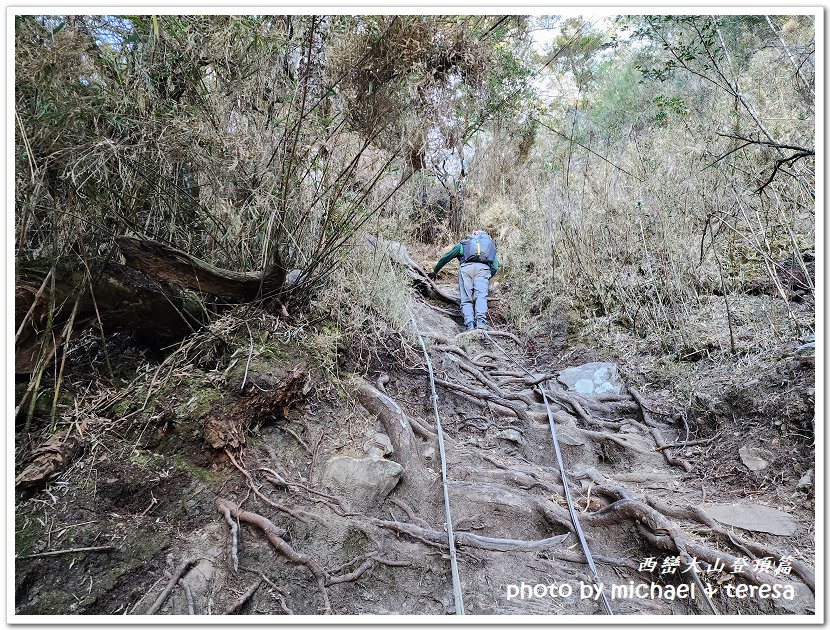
(478, 248)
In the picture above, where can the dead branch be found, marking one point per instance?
(172, 265)
(239, 603)
(398, 254)
(59, 552)
(180, 571)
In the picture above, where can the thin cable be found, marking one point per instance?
(564, 477)
(456, 581)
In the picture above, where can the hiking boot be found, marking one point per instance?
(469, 326)
(482, 325)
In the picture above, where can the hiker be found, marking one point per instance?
(479, 262)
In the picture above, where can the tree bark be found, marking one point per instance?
(397, 426)
(156, 315)
(177, 267)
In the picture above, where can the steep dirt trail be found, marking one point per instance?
(338, 507)
(635, 506)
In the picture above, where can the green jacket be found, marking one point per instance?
(457, 251)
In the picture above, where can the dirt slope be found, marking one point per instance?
(318, 534)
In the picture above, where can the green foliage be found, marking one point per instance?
(668, 106)
(618, 99)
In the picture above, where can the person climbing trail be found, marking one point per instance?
(479, 262)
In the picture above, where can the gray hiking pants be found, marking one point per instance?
(473, 284)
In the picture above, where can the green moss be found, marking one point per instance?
(355, 543)
(192, 403)
(146, 460)
(53, 602)
(181, 462)
(137, 552)
(37, 265)
(25, 539)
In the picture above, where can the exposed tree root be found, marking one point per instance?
(299, 515)
(409, 511)
(467, 539)
(280, 482)
(484, 395)
(274, 535)
(234, 539)
(365, 566)
(400, 432)
(664, 534)
(188, 593)
(750, 548)
(658, 436)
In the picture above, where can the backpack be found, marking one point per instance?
(479, 248)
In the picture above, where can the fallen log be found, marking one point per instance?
(156, 315)
(177, 267)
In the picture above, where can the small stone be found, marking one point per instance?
(511, 435)
(751, 457)
(378, 446)
(806, 480)
(429, 454)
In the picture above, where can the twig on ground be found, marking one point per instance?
(298, 438)
(59, 552)
(279, 594)
(180, 571)
(189, 594)
(239, 603)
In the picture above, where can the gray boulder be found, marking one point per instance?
(365, 482)
(753, 517)
(593, 379)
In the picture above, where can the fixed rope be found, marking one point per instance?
(568, 499)
(456, 581)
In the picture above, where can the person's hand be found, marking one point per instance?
(431, 275)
